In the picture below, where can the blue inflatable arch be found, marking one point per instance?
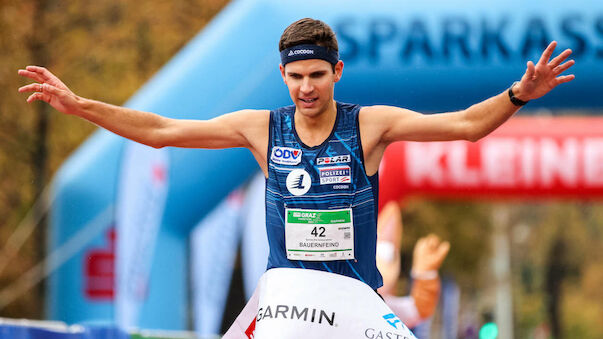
(428, 56)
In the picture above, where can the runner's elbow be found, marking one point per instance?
(473, 136)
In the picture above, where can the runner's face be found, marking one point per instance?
(311, 84)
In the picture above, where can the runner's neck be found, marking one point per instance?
(314, 130)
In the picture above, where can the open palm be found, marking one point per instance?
(541, 78)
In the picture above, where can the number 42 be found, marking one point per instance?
(316, 230)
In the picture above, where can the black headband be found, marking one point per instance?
(304, 52)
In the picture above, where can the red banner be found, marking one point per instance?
(527, 157)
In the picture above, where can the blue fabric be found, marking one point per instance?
(360, 194)
(308, 51)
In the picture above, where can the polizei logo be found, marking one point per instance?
(292, 312)
(286, 155)
(300, 51)
(335, 175)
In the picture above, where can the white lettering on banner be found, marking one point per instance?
(423, 162)
(507, 162)
(559, 161)
(460, 172)
(499, 162)
(528, 162)
(593, 162)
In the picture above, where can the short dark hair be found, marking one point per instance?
(308, 31)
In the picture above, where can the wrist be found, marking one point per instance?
(516, 94)
(424, 275)
(83, 107)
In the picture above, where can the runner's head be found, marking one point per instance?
(310, 52)
(309, 34)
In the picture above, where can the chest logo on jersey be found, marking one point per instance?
(298, 182)
(335, 175)
(286, 155)
(338, 159)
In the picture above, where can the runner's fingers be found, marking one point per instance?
(563, 67)
(35, 87)
(560, 58)
(565, 78)
(443, 249)
(531, 69)
(546, 55)
(31, 75)
(38, 96)
(48, 88)
(41, 71)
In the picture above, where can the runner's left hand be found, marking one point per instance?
(541, 78)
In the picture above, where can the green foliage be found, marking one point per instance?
(534, 229)
(579, 228)
(101, 49)
(466, 225)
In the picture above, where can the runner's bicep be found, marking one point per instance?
(406, 125)
(226, 131)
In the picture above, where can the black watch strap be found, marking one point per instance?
(514, 100)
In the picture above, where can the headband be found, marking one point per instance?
(304, 52)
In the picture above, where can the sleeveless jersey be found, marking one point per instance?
(330, 176)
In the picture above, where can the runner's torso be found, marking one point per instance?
(325, 198)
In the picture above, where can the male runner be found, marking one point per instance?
(320, 157)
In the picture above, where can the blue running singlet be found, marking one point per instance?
(321, 186)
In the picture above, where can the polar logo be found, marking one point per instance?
(286, 155)
(333, 160)
(298, 182)
(300, 51)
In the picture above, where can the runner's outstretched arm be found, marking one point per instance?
(238, 129)
(479, 120)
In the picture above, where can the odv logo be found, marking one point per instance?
(286, 155)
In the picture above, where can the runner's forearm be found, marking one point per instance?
(426, 293)
(484, 117)
(142, 127)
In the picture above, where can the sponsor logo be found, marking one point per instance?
(250, 331)
(286, 155)
(293, 312)
(335, 175)
(392, 320)
(339, 159)
(298, 182)
(300, 51)
(372, 333)
(304, 214)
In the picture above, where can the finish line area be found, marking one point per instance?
(142, 239)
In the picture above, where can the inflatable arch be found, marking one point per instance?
(427, 56)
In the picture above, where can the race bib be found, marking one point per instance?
(319, 235)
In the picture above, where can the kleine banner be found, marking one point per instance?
(527, 157)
